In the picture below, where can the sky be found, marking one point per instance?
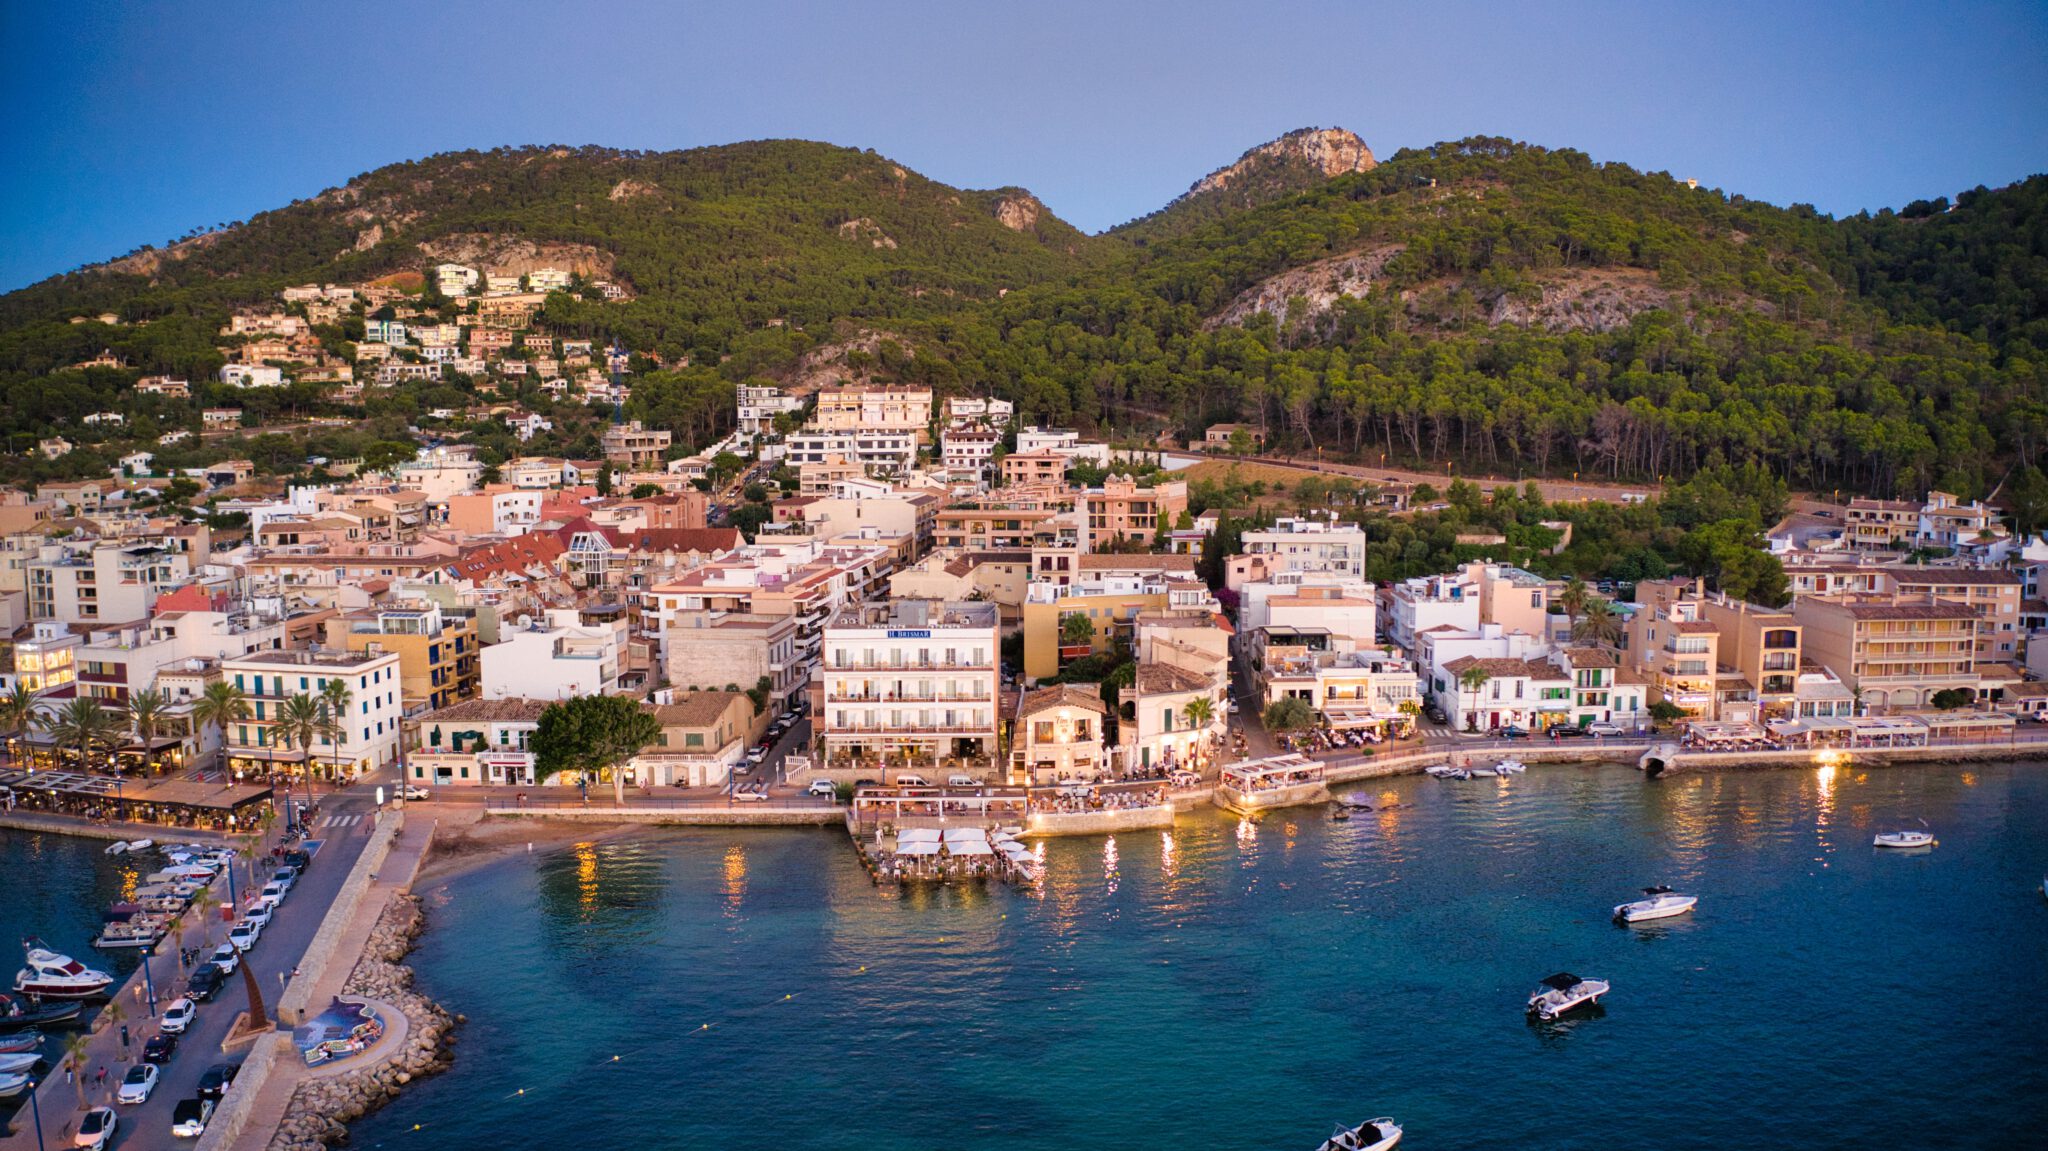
(131, 123)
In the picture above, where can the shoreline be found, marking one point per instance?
(478, 842)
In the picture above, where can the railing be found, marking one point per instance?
(910, 729)
(925, 699)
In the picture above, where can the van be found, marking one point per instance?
(962, 781)
(912, 781)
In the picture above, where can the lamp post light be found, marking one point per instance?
(36, 1108)
(149, 982)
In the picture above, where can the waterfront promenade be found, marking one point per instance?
(275, 956)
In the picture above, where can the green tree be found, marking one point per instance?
(1288, 714)
(146, 715)
(220, 704)
(335, 698)
(1600, 625)
(1573, 599)
(604, 479)
(1948, 699)
(1076, 629)
(644, 491)
(1473, 679)
(592, 735)
(17, 712)
(82, 723)
(298, 725)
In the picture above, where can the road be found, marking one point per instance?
(1554, 489)
(340, 832)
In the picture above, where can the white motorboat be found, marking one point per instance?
(25, 1061)
(51, 975)
(1904, 839)
(11, 1085)
(1510, 766)
(1663, 903)
(1442, 770)
(1375, 1135)
(117, 847)
(1565, 992)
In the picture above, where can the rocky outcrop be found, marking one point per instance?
(508, 255)
(1018, 213)
(862, 228)
(1318, 287)
(632, 190)
(1328, 152)
(321, 1109)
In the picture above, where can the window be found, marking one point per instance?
(693, 739)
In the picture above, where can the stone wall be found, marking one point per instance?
(295, 1007)
(759, 815)
(1051, 823)
(229, 1122)
(321, 1108)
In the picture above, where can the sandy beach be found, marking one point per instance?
(466, 838)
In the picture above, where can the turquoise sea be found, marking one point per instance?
(1248, 985)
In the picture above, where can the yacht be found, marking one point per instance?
(1510, 766)
(1377, 1135)
(14, 1017)
(1904, 839)
(1565, 992)
(50, 975)
(1662, 903)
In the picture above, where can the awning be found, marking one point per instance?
(918, 835)
(969, 847)
(917, 847)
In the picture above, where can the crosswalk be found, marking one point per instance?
(341, 820)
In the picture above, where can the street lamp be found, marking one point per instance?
(148, 983)
(36, 1108)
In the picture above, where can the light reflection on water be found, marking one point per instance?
(1215, 987)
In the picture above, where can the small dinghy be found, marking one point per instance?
(1443, 770)
(19, 1062)
(1663, 903)
(1510, 766)
(1565, 992)
(117, 847)
(1903, 839)
(1377, 1135)
(11, 1085)
(23, 1041)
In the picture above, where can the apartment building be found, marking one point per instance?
(499, 510)
(1034, 468)
(760, 404)
(438, 651)
(1894, 653)
(1342, 607)
(1448, 601)
(634, 446)
(1489, 693)
(370, 737)
(1111, 600)
(715, 649)
(1057, 735)
(474, 742)
(1994, 594)
(703, 737)
(100, 581)
(1123, 510)
(1880, 524)
(973, 411)
(1764, 647)
(970, 450)
(556, 656)
(1678, 654)
(881, 409)
(913, 677)
(1371, 689)
(1298, 545)
(1166, 728)
(878, 451)
(1064, 442)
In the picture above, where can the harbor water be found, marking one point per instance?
(1249, 984)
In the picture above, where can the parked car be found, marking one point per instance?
(285, 877)
(751, 796)
(299, 859)
(96, 1129)
(258, 913)
(413, 791)
(1512, 732)
(1435, 714)
(1603, 729)
(244, 935)
(962, 781)
(179, 1015)
(756, 754)
(823, 787)
(218, 1079)
(1564, 731)
(912, 781)
(207, 979)
(272, 894)
(160, 1048)
(137, 1085)
(188, 1120)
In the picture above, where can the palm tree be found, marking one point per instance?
(146, 714)
(81, 724)
(76, 1046)
(337, 696)
(1200, 710)
(221, 704)
(298, 724)
(1472, 679)
(1600, 625)
(1076, 629)
(1573, 600)
(17, 711)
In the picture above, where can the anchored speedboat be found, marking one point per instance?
(1375, 1135)
(52, 975)
(1565, 992)
(1662, 903)
(1903, 839)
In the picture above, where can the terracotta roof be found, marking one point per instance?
(489, 711)
(514, 555)
(1929, 611)
(710, 541)
(187, 598)
(1694, 627)
(1061, 695)
(1160, 678)
(1164, 563)
(694, 708)
(1915, 576)
(1505, 668)
(1592, 657)
(2026, 689)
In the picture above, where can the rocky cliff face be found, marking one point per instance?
(1325, 152)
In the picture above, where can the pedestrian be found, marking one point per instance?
(67, 1074)
(124, 1037)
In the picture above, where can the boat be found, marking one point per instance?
(1565, 992)
(1510, 766)
(141, 931)
(1374, 1135)
(117, 847)
(1904, 839)
(1663, 903)
(1257, 785)
(141, 844)
(20, 1042)
(20, 1061)
(53, 975)
(11, 1085)
(1442, 770)
(15, 1017)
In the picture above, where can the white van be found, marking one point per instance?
(962, 781)
(912, 781)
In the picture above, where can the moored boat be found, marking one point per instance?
(21, 1041)
(15, 1017)
(12, 1085)
(1565, 992)
(19, 1061)
(1904, 839)
(54, 975)
(1510, 766)
(1374, 1135)
(1663, 903)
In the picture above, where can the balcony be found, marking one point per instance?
(884, 697)
(885, 731)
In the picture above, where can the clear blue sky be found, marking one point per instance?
(130, 123)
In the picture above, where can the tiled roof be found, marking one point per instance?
(710, 541)
(1061, 695)
(489, 711)
(1159, 678)
(1505, 668)
(534, 549)
(694, 708)
(1163, 563)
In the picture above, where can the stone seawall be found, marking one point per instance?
(85, 829)
(296, 1006)
(1055, 823)
(321, 1109)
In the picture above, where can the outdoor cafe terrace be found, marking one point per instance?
(173, 802)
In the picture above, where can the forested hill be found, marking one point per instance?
(1480, 303)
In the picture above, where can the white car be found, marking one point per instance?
(962, 781)
(227, 957)
(188, 1120)
(137, 1084)
(1603, 729)
(272, 893)
(96, 1129)
(258, 914)
(823, 787)
(179, 1016)
(750, 796)
(412, 791)
(244, 935)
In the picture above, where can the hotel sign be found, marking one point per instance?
(910, 633)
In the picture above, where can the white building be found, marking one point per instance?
(1299, 545)
(1425, 602)
(1061, 441)
(455, 279)
(1344, 608)
(370, 736)
(556, 657)
(760, 404)
(251, 376)
(910, 676)
(879, 452)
